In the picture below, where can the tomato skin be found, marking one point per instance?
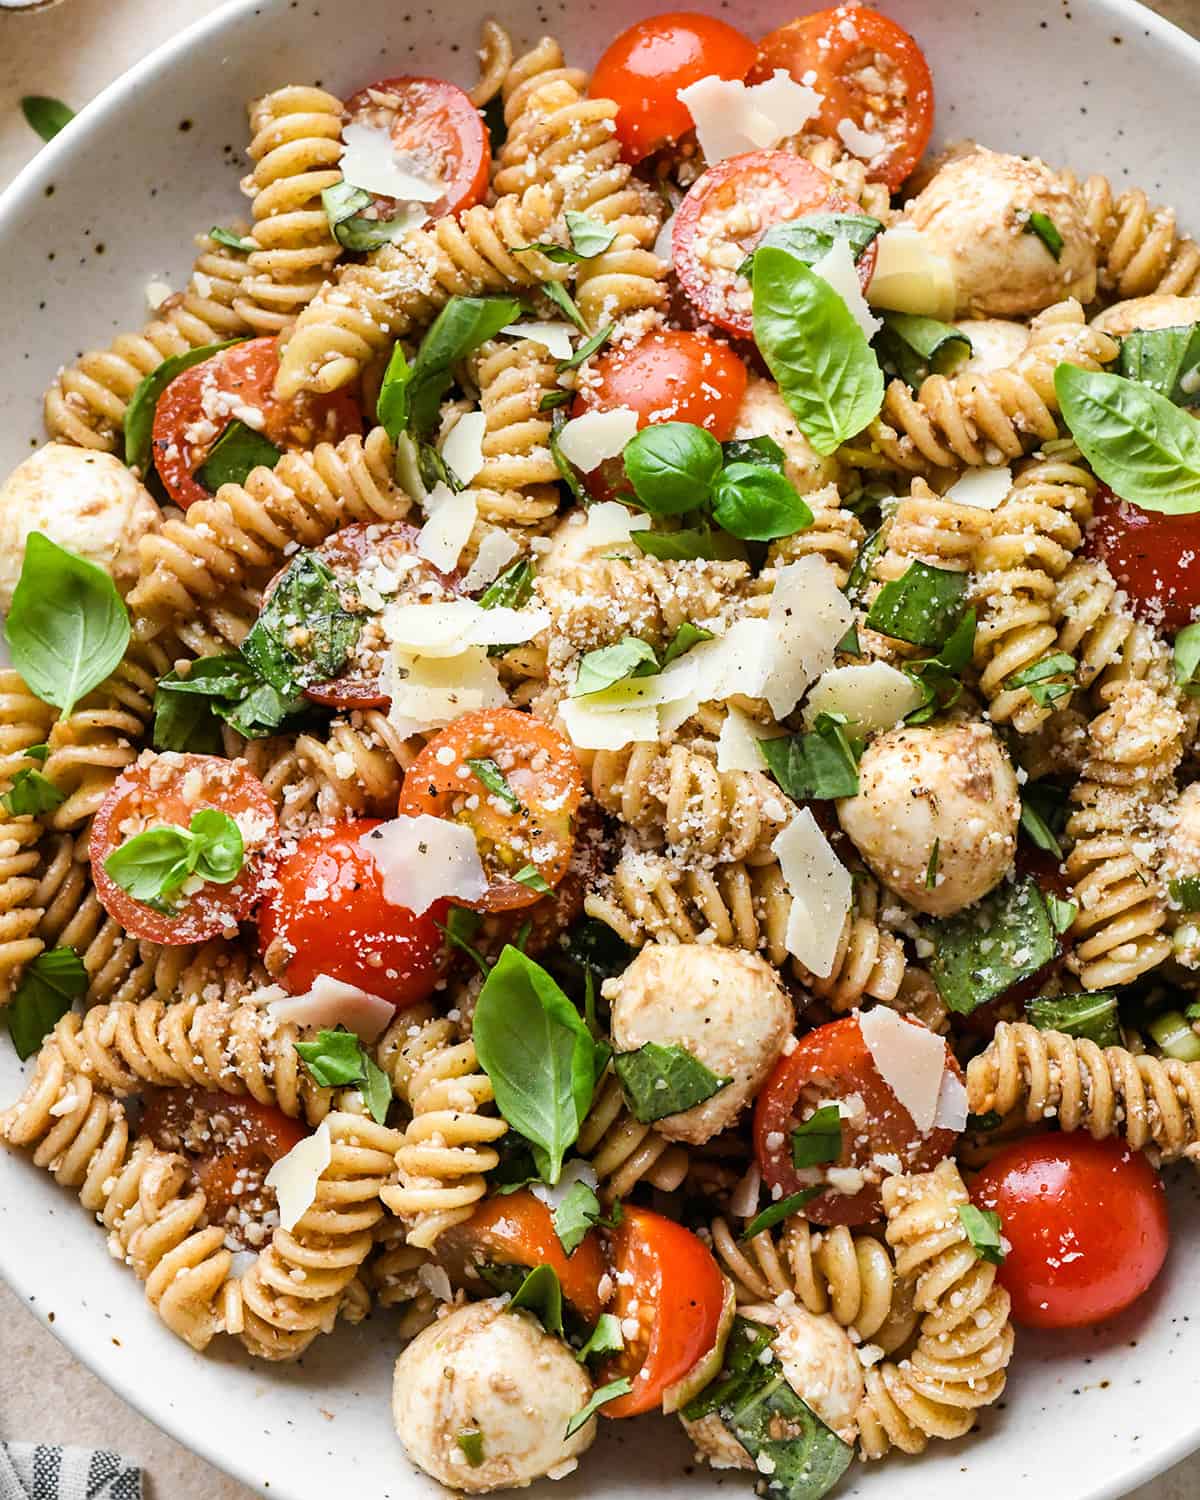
(778, 187)
(670, 376)
(819, 44)
(326, 914)
(168, 788)
(1154, 557)
(434, 122)
(645, 67)
(677, 1287)
(1087, 1224)
(834, 1060)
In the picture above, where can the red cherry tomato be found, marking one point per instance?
(1087, 1224)
(869, 71)
(165, 790)
(833, 1062)
(436, 132)
(1155, 558)
(326, 914)
(529, 825)
(726, 213)
(644, 69)
(515, 1229)
(670, 1285)
(199, 404)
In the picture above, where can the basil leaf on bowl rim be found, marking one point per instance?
(45, 115)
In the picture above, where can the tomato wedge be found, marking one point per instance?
(725, 214)
(1151, 555)
(237, 385)
(437, 134)
(871, 75)
(516, 783)
(165, 790)
(833, 1062)
(326, 914)
(668, 1284)
(516, 1229)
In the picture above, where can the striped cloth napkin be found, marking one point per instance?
(40, 1471)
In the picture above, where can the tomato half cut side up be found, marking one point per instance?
(524, 819)
(725, 214)
(669, 1284)
(871, 75)
(236, 384)
(326, 914)
(1154, 557)
(833, 1062)
(167, 789)
(437, 134)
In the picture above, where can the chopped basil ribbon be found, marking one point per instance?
(512, 589)
(605, 1338)
(681, 546)
(578, 1212)
(599, 1397)
(1173, 1034)
(589, 238)
(776, 1212)
(914, 347)
(337, 1058)
(1047, 680)
(864, 564)
(816, 351)
(1044, 815)
(982, 1226)
(1092, 1016)
(600, 669)
(188, 709)
(529, 876)
(819, 1139)
(1165, 359)
(391, 404)
(67, 628)
(303, 634)
(489, 773)
(235, 455)
(232, 240)
(1186, 657)
(541, 1294)
(763, 451)
(31, 793)
(922, 607)
(585, 351)
(45, 115)
(555, 292)
(555, 398)
(986, 949)
(1062, 913)
(154, 865)
(931, 868)
(343, 203)
(1185, 892)
(816, 766)
(43, 996)
(566, 469)
(1139, 443)
(471, 1444)
(139, 414)
(741, 1365)
(538, 1054)
(591, 947)
(812, 236)
(939, 677)
(1047, 231)
(661, 1081)
(687, 636)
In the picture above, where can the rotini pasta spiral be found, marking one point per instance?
(518, 484)
(623, 1151)
(1096, 627)
(1139, 246)
(24, 722)
(20, 912)
(836, 534)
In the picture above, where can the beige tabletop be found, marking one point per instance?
(70, 52)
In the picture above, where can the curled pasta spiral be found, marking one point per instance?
(541, 65)
(836, 534)
(1095, 626)
(296, 145)
(623, 1151)
(518, 484)
(964, 1339)
(24, 721)
(495, 62)
(1149, 1101)
(20, 910)
(931, 529)
(86, 402)
(1140, 249)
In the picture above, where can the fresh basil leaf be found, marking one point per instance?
(461, 326)
(529, 876)
(67, 628)
(139, 414)
(660, 1081)
(232, 240)
(1091, 1015)
(819, 1139)
(37, 752)
(343, 200)
(986, 949)
(602, 668)
(672, 467)
(1165, 359)
(1185, 892)
(592, 947)
(605, 1338)
(489, 773)
(153, 865)
(235, 455)
(758, 504)
(983, 1230)
(914, 348)
(922, 607)
(220, 851)
(599, 1397)
(31, 793)
(575, 1215)
(555, 292)
(46, 116)
(864, 565)
(1044, 815)
(376, 1089)
(812, 236)
(43, 996)
(1186, 658)
(585, 351)
(538, 1053)
(303, 634)
(742, 1368)
(1143, 447)
(805, 1464)
(1047, 680)
(687, 636)
(562, 463)
(589, 236)
(939, 677)
(541, 1294)
(186, 709)
(391, 405)
(817, 353)
(681, 546)
(931, 868)
(512, 589)
(1047, 231)
(1062, 913)
(460, 927)
(764, 451)
(776, 1212)
(556, 398)
(334, 1057)
(262, 711)
(355, 231)
(816, 766)
(471, 1443)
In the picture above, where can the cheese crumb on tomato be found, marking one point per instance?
(984, 488)
(424, 859)
(808, 616)
(496, 550)
(731, 118)
(369, 162)
(738, 742)
(821, 891)
(587, 440)
(295, 1176)
(836, 267)
(332, 1003)
(872, 696)
(451, 520)
(554, 335)
(910, 1059)
(463, 449)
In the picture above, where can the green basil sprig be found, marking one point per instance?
(512, 589)
(603, 668)
(757, 503)
(343, 204)
(45, 115)
(659, 1081)
(922, 607)
(153, 865)
(939, 677)
(44, 995)
(541, 1294)
(589, 238)
(986, 949)
(672, 467)
(139, 414)
(578, 1212)
(982, 1226)
(337, 1057)
(601, 1396)
(235, 455)
(1091, 1015)
(188, 710)
(816, 766)
(31, 793)
(493, 778)
(605, 1338)
(914, 347)
(812, 236)
(819, 1139)
(68, 628)
(1165, 359)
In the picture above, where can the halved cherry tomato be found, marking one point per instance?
(644, 69)
(326, 914)
(1154, 557)
(868, 71)
(530, 825)
(516, 1229)
(167, 789)
(833, 1062)
(232, 1140)
(726, 213)
(670, 1285)
(1086, 1222)
(238, 383)
(437, 133)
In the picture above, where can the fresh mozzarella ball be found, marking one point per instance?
(1158, 311)
(1181, 853)
(484, 1369)
(995, 344)
(975, 212)
(949, 785)
(725, 1006)
(87, 502)
(764, 413)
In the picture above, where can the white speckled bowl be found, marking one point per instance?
(1100, 84)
